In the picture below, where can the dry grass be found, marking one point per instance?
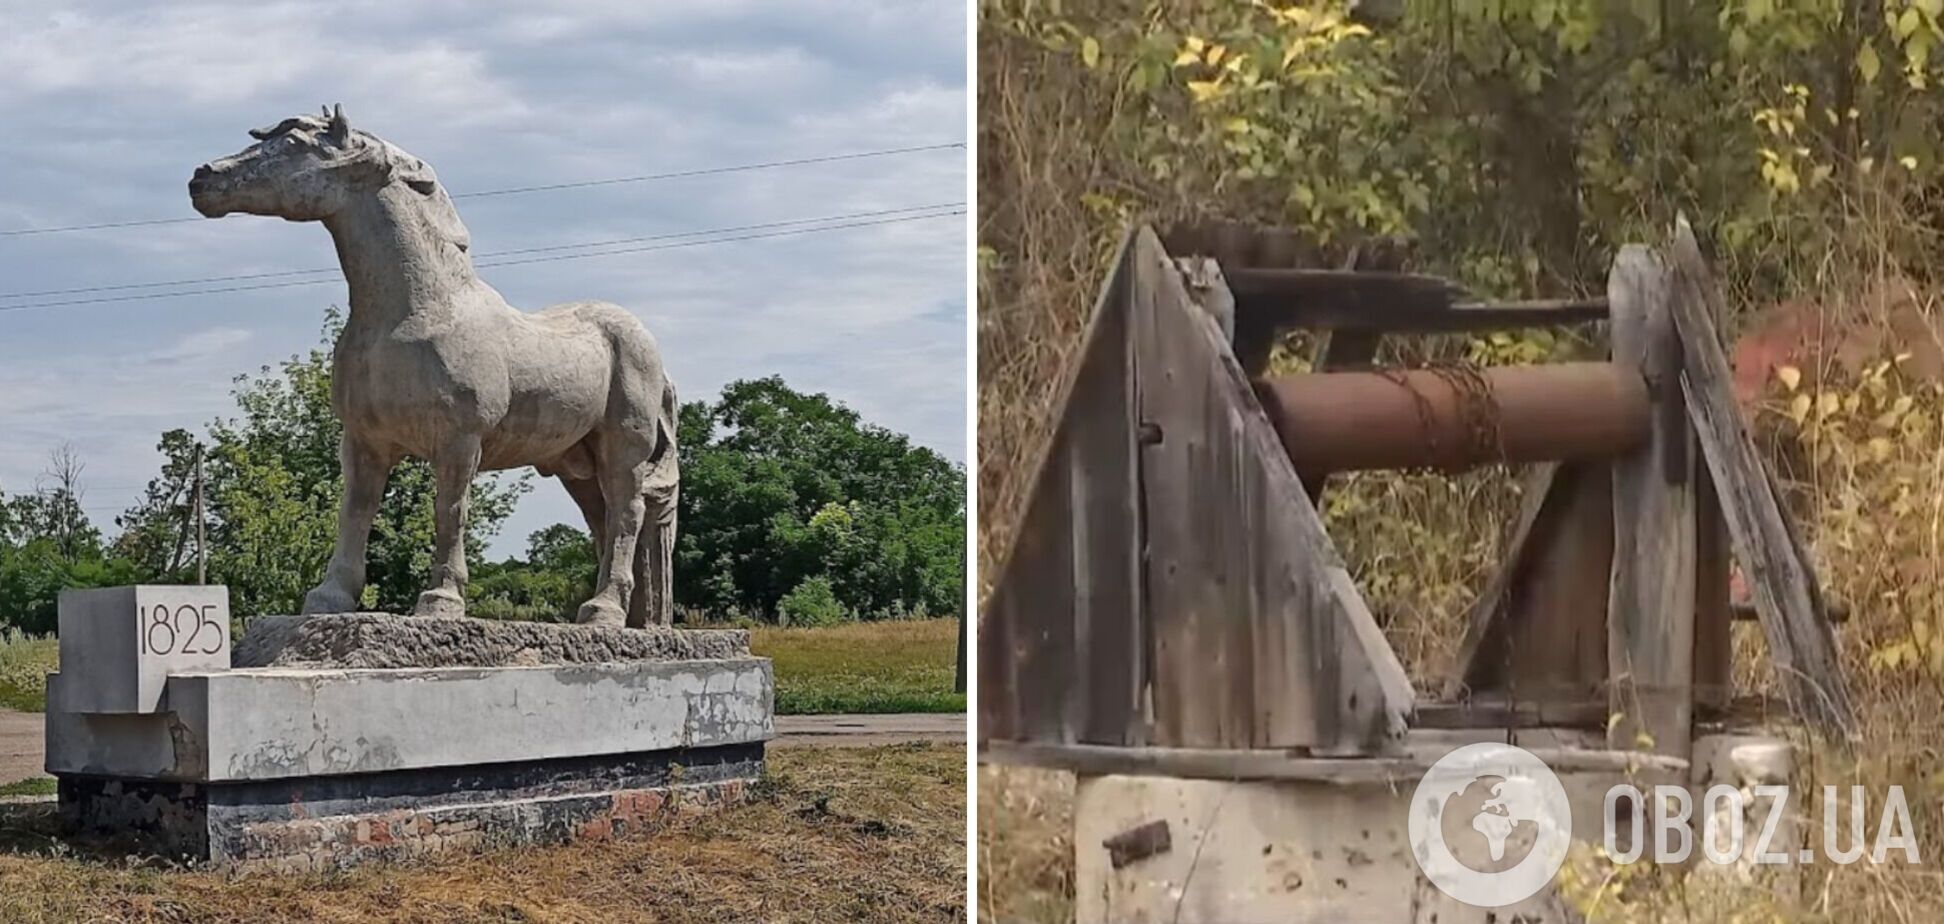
(837, 834)
(1025, 844)
(24, 664)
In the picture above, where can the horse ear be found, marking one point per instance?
(340, 127)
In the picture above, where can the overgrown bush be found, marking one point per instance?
(811, 603)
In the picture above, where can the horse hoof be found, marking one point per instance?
(323, 600)
(440, 603)
(600, 613)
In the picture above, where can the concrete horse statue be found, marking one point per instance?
(434, 363)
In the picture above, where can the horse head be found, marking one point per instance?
(306, 168)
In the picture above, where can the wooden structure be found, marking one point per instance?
(1172, 598)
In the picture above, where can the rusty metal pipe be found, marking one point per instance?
(1452, 419)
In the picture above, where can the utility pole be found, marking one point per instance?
(202, 549)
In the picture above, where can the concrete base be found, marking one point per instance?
(309, 769)
(322, 823)
(1327, 847)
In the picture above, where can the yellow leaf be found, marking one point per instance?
(1790, 376)
(1186, 58)
(1236, 125)
(1908, 162)
(1195, 44)
(1215, 53)
(1868, 64)
(1799, 408)
(1090, 52)
(1827, 403)
(1204, 90)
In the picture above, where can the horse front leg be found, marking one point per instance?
(454, 468)
(365, 471)
(621, 486)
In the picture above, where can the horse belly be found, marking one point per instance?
(549, 411)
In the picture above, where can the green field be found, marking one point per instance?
(902, 666)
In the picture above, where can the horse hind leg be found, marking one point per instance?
(654, 565)
(653, 603)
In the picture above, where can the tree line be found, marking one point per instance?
(793, 510)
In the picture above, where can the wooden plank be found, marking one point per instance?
(1650, 622)
(1779, 577)
(1044, 593)
(1539, 630)
(1487, 610)
(1497, 712)
(1100, 428)
(1714, 616)
(1030, 683)
(1280, 765)
(998, 720)
(1237, 551)
(1199, 618)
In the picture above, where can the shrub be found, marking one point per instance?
(812, 603)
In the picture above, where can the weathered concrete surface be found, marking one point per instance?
(578, 391)
(274, 723)
(382, 640)
(126, 641)
(23, 748)
(20, 746)
(1282, 852)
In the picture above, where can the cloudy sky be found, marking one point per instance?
(108, 106)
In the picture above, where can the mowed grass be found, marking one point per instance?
(38, 786)
(24, 665)
(898, 666)
(901, 666)
(834, 834)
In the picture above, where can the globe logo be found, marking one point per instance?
(1490, 824)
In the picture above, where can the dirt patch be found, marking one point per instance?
(832, 834)
(20, 746)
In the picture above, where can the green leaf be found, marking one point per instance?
(1090, 52)
(1908, 23)
(1867, 63)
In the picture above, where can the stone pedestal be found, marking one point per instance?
(316, 767)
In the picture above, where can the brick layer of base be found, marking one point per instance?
(319, 823)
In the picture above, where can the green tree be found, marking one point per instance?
(780, 487)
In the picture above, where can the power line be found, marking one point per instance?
(205, 280)
(786, 232)
(547, 187)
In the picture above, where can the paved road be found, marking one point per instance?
(20, 735)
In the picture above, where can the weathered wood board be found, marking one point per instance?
(1779, 575)
(1539, 631)
(1171, 584)
(1650, 607)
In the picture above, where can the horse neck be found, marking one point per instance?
(399, 264)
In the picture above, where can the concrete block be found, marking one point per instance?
(271, 723)
(120, 644)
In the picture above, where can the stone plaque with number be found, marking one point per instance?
(119, 644)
